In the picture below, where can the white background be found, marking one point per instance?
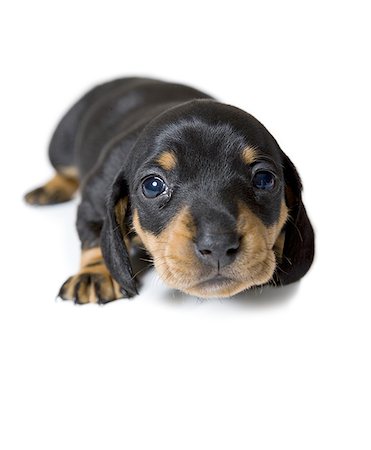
(283, 369)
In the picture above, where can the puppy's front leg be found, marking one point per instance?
(93, 283)
(103, 276)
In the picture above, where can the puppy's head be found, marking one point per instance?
(214, 200)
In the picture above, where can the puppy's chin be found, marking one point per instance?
(216, 288)
(233, 280)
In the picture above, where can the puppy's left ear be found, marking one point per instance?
(298, 250)
(114, 250)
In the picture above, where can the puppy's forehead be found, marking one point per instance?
(206, 132)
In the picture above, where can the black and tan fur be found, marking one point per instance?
(212, 232)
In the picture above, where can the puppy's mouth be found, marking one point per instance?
(215, 286)
(214, 283)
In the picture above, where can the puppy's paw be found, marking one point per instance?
(59, 189)
(91, 285)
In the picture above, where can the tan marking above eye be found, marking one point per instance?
(167, 160)
(249, 155)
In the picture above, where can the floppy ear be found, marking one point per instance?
(114, 250)
(298, 250)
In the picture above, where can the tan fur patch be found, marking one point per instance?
(90, 256)
(69, 172)
(279, 245)
(130, 238)
(274, 232)
(167, 160)
(173, 255)
(120, 212)
(249, 155)
(57, 190)
(176, 261)
(64, 184)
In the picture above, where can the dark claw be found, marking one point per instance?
(104, 301)
(33, 196)
(128, 293)
(75, 293)
(83, 282)
(76, 299)
(124, 293)
(98, 292)
(62, 289)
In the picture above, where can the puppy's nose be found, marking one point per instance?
(217, 250)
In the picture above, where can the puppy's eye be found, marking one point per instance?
(153, 187)
(264, 180)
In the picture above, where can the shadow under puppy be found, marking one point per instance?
(203, 186)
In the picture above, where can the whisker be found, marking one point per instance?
(291, 220)
(146, 260)
(139, 272)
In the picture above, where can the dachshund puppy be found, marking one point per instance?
(201, 185)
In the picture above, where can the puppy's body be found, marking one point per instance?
(119, 109)
(213, 229)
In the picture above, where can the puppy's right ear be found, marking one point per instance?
(298, 250)
(114, 250)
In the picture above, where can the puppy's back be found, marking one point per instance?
(107, 111)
